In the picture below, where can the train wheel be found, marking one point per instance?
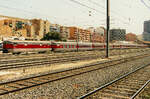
(5, 51)
(16, 53)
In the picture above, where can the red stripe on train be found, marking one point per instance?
(26, 46)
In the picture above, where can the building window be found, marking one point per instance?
(5, 23)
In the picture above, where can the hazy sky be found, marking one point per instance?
(127, 14)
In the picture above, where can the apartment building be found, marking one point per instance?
(12, 27)
(146, 32)
(39, 28)
(131, 37)
(117, 35)
(64, 32)
(29, 29)
(97, 34)
(73, 33)
(79, 34)
(35, 29)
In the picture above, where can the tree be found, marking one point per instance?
(52, 36)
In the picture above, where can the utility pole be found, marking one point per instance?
(107, 33)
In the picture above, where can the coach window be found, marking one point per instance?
(25, 44)
(15, 44)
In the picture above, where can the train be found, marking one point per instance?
(1, 45)
(17, 47)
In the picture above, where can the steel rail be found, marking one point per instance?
(112, 82)
(45, 58)
(37, 58)
(65, 76)
(45, 62)
(140, 90)
(30, 55)
(52, 55)
(34, 55)
(88, 65)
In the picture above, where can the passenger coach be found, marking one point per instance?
(71, 46)
(64, 46)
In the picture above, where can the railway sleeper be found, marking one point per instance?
(109, 96)
(116, 92)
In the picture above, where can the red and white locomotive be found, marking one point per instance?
(17, 47)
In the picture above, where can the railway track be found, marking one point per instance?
(17, 58)
(25, 83)
(136, 95)
(40, 57)
(11, 57)
(45, 57)
(127, 86)
(13, 64)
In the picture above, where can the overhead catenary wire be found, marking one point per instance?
(22, 10)
(26, 11)
(95, 3)
(121, 19)
(36, 13)
(29, 12)
(145, 4)
(81, 4)
(84, 5)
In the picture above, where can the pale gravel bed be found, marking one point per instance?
(73, 87)
(37, 70)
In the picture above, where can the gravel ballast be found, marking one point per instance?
(76, 86)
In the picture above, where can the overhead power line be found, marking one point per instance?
(26, 11)
(145, 4)
(97, 4)
(120, 17)
(116, 13)
(3, 6)
(81, 4)
(84, 5)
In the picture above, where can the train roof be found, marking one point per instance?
(85, 43)
(65, 42)
(17, 41)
